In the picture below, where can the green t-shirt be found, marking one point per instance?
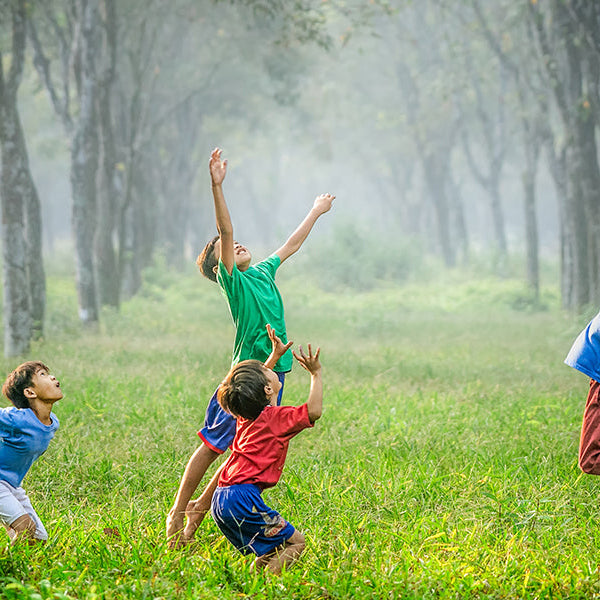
(254, 301)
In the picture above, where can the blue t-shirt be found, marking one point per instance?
(23, 439)
(585, 352)
(254, 301)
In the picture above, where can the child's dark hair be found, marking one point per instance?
(242, 392)
(19, 379)
(207, 261)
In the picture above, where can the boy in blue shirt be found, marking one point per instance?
(26, 430)
(585, 357)
(254, 301)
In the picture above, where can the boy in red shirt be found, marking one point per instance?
(264, 430)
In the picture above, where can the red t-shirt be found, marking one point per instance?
(259, 449)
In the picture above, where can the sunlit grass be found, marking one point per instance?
(445, 464)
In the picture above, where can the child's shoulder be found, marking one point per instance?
(11, 415)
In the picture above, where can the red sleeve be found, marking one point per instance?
(290, 420)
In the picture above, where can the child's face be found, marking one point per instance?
(273, 386)
(241, 255)
(45, 386)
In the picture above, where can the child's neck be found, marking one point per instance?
(42, 410)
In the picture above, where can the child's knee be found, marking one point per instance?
(297, 540)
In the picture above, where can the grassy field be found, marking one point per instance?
(445, 464)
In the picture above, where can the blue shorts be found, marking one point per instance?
(219, 426)
(247, 522)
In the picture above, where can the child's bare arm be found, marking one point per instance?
(278, 348)
(321, 205)
(218, 170)
(311, 363)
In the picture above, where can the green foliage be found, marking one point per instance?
(351, 257)
(444, 465)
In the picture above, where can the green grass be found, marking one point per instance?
(445, 464)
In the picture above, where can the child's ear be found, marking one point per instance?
(268, 390)
(215, 269)
(29, 393)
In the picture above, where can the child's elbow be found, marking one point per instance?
(315, 414)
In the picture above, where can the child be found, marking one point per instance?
(264, 430)
(254, 301)
(585, 357)
(25, 432)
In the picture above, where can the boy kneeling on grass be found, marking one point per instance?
(264, 430)
(25, 433)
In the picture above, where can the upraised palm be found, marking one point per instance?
(218, 167)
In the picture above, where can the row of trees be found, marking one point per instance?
(131, 113)
(456, 94)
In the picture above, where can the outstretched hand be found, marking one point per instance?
(278, 347)
(323, 203)
(217, 167)
(309, 361)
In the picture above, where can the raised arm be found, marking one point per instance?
(311, 363)
(218, 170)
(278, 348)
(321, 205)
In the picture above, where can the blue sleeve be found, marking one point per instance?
(585, 352)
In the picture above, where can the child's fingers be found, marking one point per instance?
(288, 346)
(300, 359)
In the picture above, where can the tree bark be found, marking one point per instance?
(84, 164)
(23, 273)
(104, 250)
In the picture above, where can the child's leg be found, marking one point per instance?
(589, 445)
(196, 510)
(199, 462)
(217, 434)
(284, 555)
(18, 516)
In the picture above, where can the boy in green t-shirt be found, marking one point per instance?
(254, 302)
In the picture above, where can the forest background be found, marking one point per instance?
(458, 263)
(463, 131)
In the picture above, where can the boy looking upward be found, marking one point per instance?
(254, 301)
(26, 430)
(264, 430)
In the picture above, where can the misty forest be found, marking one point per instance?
(460, 140)
(450, 129)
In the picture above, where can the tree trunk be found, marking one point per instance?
(531, 231)
(20, 209)
(434, 178)
(84, 164)
(17, 302)
(460, 223)
(590, 186)
(106, 261)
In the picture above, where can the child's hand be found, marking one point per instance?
(323, 203)
(217, 167)
(309, 361)
(278, 347)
